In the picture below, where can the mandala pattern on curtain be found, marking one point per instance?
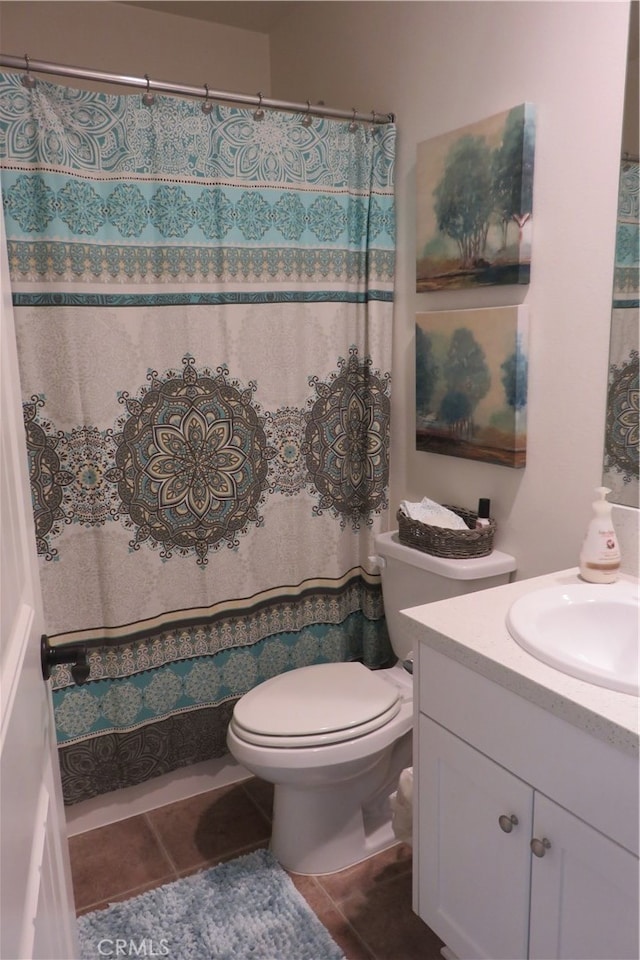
(203, 306)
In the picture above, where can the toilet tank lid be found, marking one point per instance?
(494, 564)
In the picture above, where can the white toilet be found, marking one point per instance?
(333, 738)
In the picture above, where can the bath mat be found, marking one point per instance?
(246, 909)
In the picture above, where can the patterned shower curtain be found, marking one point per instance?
(204, 305)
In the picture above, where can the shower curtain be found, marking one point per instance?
(203, 305)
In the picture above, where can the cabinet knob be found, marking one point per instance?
(539, 847)
(508, 823)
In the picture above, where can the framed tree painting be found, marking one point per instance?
(474, 203)
(471, 384)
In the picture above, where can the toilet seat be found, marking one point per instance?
(312, 706)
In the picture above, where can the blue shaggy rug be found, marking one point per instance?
(246, 909)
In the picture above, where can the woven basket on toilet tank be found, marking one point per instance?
(442, 542)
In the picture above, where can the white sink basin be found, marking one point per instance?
(587, 630)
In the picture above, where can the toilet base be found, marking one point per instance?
(318, 829)
(310, 839)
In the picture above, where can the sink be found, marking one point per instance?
(587, 630)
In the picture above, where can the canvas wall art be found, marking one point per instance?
(474, 190)
(471, 384)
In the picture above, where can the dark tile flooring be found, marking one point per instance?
(366, 908)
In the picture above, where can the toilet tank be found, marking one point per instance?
(411, 578)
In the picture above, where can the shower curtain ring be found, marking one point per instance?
(259, 113)
(353, 126)
(27, 80)
(307, 120)
(148, 98)
(373, 116)
(207, 106)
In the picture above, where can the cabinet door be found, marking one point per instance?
(473, 884)
(584, 891)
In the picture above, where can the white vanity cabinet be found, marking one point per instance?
(525, 826)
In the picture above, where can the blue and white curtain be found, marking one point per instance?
(204, 306)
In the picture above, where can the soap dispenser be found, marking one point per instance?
(600, 554)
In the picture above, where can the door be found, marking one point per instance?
(36, 903)
(474, 857)
(584, 891)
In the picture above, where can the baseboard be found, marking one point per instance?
(448, 954)
(131, 801)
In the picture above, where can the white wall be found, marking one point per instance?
(439, 66)
(118, 38)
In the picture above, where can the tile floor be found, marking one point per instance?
(366, 908)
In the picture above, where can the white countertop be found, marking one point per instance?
(471, 629)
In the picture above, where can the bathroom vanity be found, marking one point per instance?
(526, 792)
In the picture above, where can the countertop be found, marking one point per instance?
(471, 629)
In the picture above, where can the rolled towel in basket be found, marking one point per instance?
(432, 513)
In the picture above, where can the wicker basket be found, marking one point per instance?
(443, 542)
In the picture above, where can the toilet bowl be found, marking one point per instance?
(333, 738)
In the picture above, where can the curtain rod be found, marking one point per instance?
(319, 110)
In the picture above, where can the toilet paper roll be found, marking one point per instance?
(402, 807)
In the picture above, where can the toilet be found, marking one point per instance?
(333, 738)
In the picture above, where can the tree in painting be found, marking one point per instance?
(462, 199)
(512, 174)
(427, 372)
(468, 380)
(514, 378)
(456, 410)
